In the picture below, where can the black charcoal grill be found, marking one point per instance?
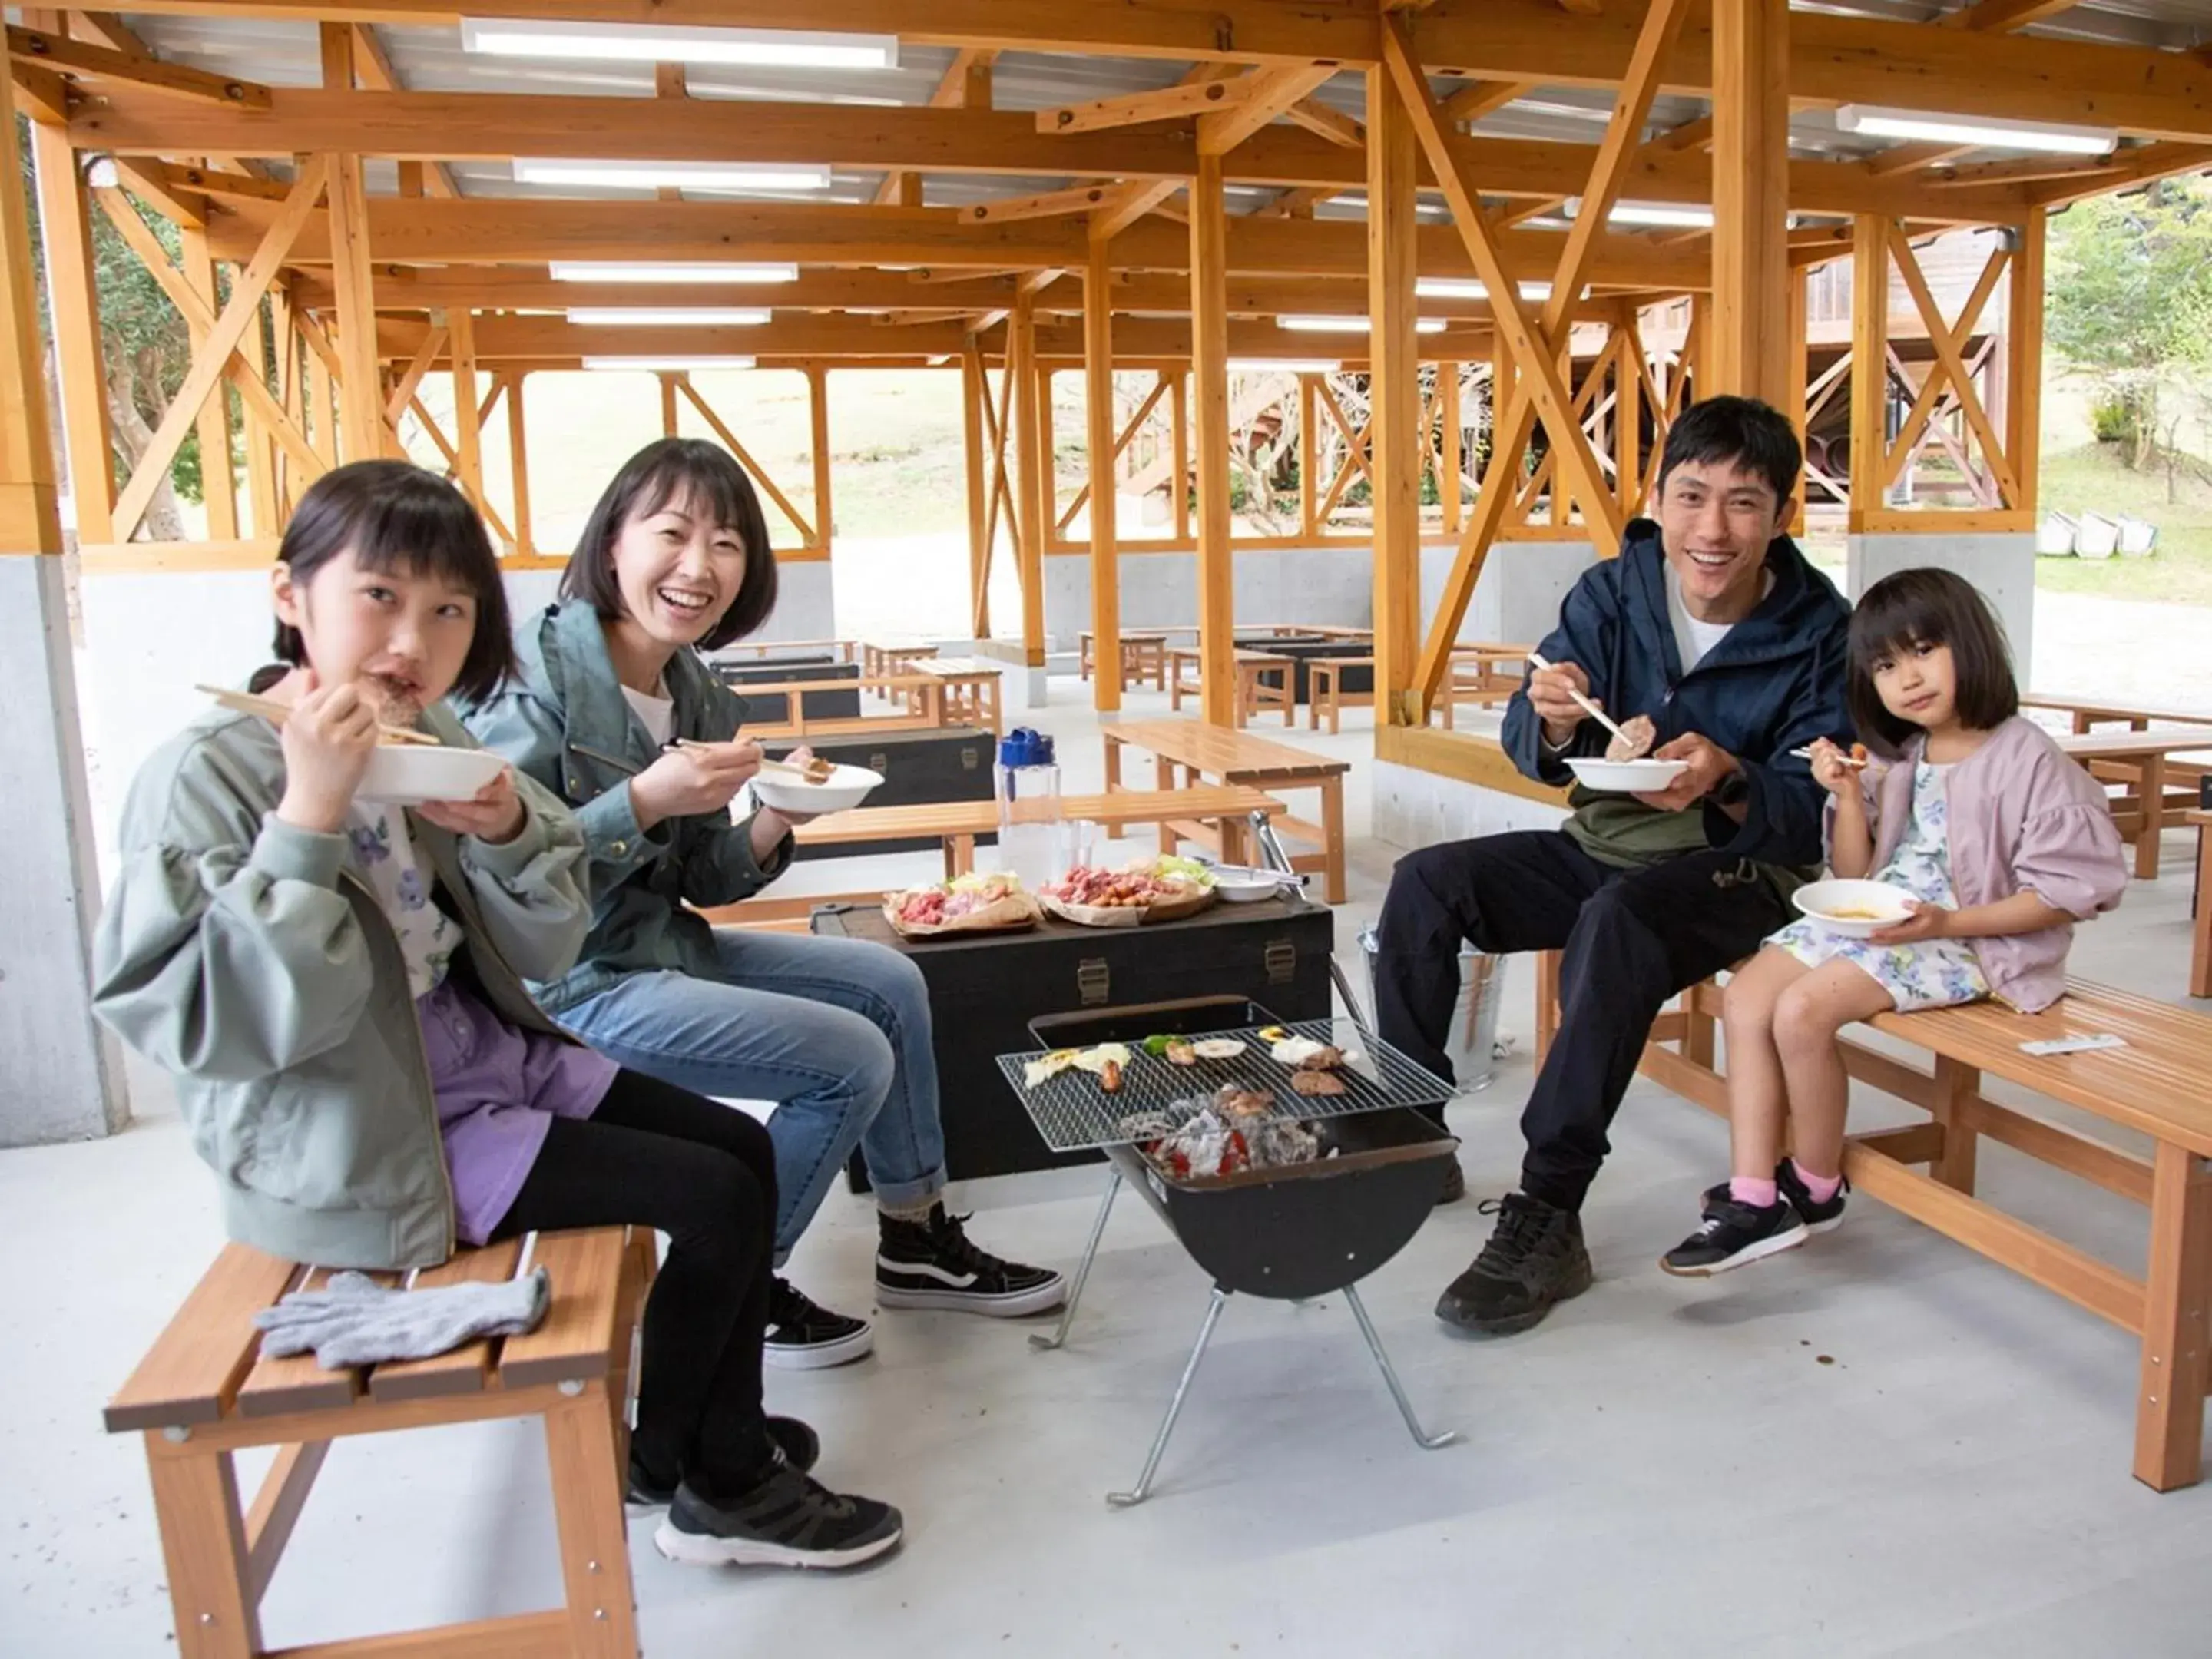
(1291, 1232)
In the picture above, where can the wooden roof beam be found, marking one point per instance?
(1268, 92)
(79, 59)
(1911, 158)
(965, 84)
(372, 64)
(1328, 123)
(1186, 99)
(1044, 205)
(1997, 17)
(1472, 103)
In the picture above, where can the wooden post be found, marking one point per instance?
(30, 516)
(218, 485)
(1500, 467)
(260, 446)
(1394, 399)
(361, 422)
(1449, 468)
(1179, 451)
(1800, 348)
(1209, 362)
(1627, 411)
(667, 379)
(1869, 367)
(468, 431)
(1750, 201)
(1031, 490)
(518, 461)
(818, 406)
(2023, 368)
(1098, 407)
(1309, 456)
(65, 218)
(974, 389)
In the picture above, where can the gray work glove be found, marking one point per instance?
(353, 1320)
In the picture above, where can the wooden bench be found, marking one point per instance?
(2139, 761)
(2200, 953)
(1144, 656)
(970, 697)
(2154, 1086)
(1484, 675)
(1327, 694)
(1186, 752)
(1264, 681)
(203, 1394)
(1222, 810)
(925, 698)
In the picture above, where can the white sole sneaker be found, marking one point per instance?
(1744, 1257)
(820, 1356)
(1011, 1304)
(697, 1549)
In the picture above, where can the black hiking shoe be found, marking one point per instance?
(932, 1264)
(1819, 1218)
(788, 1520)
(803, 1336)
(1734, 1234)
(797, 1441)
(1455, 1184)
(1534, 1258)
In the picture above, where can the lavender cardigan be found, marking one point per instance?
(2024, 817)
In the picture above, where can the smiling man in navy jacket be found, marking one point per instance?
(1712, 624)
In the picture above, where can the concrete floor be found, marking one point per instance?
(1876, 1445)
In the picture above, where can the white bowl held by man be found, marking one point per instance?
(845, 787)
(1629, 777)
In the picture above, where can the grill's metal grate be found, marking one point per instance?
(1073, 1114)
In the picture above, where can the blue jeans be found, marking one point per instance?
(834, 1030)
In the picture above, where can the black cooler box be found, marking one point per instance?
(951, 762)
(840, 702)
(985, 988)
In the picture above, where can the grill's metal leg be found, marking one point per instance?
(1422, 1438)
(1273, 856)
(1122, 1500)
(1047, 1344)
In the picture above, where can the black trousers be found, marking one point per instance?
(1634, 938)
(653, 1155)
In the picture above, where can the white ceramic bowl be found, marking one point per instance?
(847, 786)
(1244, 890)
(1628, 777)
(1871, 905)
(407, 775)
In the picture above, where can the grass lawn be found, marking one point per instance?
(2091, 477)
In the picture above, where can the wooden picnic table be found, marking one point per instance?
(925, 698)
(971, 690)
(1144, 655)
(882, 660)
(843, 650)
(1483, 674)
(1325, 684)
(2200, 954)
(2087, 714)
(1255, 691)
(1224, 810)
(1214, 753)
(2137, 760)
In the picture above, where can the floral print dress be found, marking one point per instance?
(1935, 973)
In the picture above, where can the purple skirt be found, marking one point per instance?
(498, 1089)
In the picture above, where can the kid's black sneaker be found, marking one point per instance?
(1734, 1234)
(933, 1264)
(1819, 1218)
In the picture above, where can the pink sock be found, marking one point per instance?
(1822, 1188)
(1749, 1189)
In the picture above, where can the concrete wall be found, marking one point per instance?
(1518, 594)
(1414, 809)
(2002, 566)
(1332, 585)
(61, 1073)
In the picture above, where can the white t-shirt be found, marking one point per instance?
(656, 715)
(384, 852)
(1694, 640)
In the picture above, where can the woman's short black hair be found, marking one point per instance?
(395, 516)
(684, 471)
(1753, 434)
(1928, 606)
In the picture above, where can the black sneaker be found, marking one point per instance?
(789, 1520)
(1734, 1234)
(1455, 1184)
(1819, 1218)
(797, 1443)
(804, 1337)
(1534, 1258)
(932, 1264)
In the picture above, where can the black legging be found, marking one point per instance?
(656, 1156)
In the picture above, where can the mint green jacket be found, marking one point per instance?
(249, 959)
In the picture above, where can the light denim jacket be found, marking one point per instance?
(250, 959)
(562, 719)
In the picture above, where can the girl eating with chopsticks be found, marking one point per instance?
(336, 983)
(2003, 842)
(615, 709)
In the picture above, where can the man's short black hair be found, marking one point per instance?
(1753, 434)
(690, 472)
(1930, 606)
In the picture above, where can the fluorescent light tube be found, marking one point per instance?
(1350, 324)
(2044, 135)
(1675, 215)
(522, 37)
(669, 316)
(1469, 288)
(669, 363)
(633, 270)
(647, 175)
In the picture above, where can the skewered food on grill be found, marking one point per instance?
(1180, 1053)
(1110, 1077)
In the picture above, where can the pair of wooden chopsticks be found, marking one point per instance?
(1583, 702)
(276, 714)
(782, 768)
(1806, 753)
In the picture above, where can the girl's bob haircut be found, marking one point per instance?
(395, 516)
(689, 472)
(1929, 607)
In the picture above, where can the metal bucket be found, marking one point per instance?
(1471, 1045)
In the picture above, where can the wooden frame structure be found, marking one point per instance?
(1134, 265)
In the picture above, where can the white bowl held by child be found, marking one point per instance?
(1856, 909)
(407, 775)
